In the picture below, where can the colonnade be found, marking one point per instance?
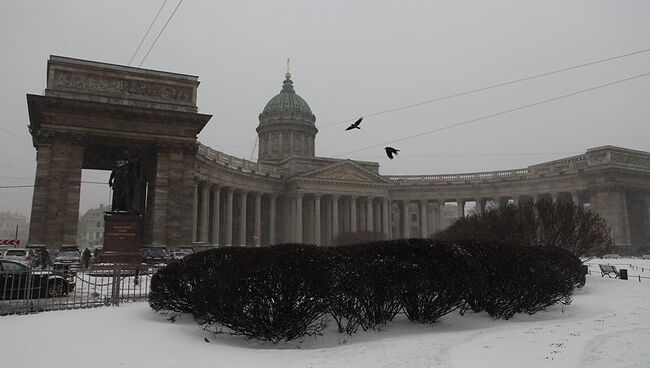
(225, 215)
(422, 217)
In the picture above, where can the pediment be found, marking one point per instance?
(345, 171)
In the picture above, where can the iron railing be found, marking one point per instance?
(25, 290)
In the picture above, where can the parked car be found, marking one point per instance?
(17, 280)
(155, 255)
(68, 255)
(23, 255)
(180, 254)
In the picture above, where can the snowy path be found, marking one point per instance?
(607, 325)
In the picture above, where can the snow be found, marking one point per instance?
(607, 325)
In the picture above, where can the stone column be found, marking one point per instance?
(195, 210)
(335, 216)
(479, 206)
(424, 231)
(328, 222)
(575, 197)
(385, 218)
(242, 217)
(440, 219)
(216, 212)
(205, 211)
(370, 211)
(158, 205)
(317, 239)
(308, 228)
(345, 214)
(612, 206)
(229, 216)
(258, 219)
(298, 221)
(460, 203)
(353, 214)
(406, 214)
(272, 213)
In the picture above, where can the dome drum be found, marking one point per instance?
(287, 126)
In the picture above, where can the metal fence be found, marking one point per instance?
(26, 290)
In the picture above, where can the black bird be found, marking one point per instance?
(390, 151)
(354, 125)
(206, 340)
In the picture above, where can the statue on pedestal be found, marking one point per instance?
(125, 180)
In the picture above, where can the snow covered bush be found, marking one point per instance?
(367, 282)
(560, 224)
(171, 290)
(276, 293)
(288, 291)
(436, 280)
(522, 279)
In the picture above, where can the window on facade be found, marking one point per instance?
(275, 145)
(414, 217)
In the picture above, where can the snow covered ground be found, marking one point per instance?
(607, 325)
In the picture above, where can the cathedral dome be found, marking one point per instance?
(287, 126)
(287, 100)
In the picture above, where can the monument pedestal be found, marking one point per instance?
(121, 238)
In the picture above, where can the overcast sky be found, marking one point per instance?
(351, 59)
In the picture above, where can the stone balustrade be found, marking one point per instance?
(237, 163)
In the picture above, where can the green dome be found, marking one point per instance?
(287, 100)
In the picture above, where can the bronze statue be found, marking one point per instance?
(125, 181)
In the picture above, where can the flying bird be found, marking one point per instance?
(390, 151)
(206, 340)
(354, 125)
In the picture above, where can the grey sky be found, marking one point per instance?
(350, 59)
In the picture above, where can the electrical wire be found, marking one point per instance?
(147, 33)
(504, 112)
(509, 154)
(465, 93)
(514, 81)
(32, 185)
(159, 33)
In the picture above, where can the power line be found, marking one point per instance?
(504, 112)
(508, 154)
(146, 33)
(32, 185)
(437, 99)
(159, 33)
(404, 107)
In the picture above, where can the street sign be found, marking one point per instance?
(13, 242)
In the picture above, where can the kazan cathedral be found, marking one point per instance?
(192, 194)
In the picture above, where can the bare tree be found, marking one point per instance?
(561, 224)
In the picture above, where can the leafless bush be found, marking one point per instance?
(559, 224)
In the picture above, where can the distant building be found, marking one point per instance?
(14, 226)
(91, 227)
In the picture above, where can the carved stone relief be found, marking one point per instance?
(65, 79)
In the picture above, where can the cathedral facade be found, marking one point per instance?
(198, 195)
